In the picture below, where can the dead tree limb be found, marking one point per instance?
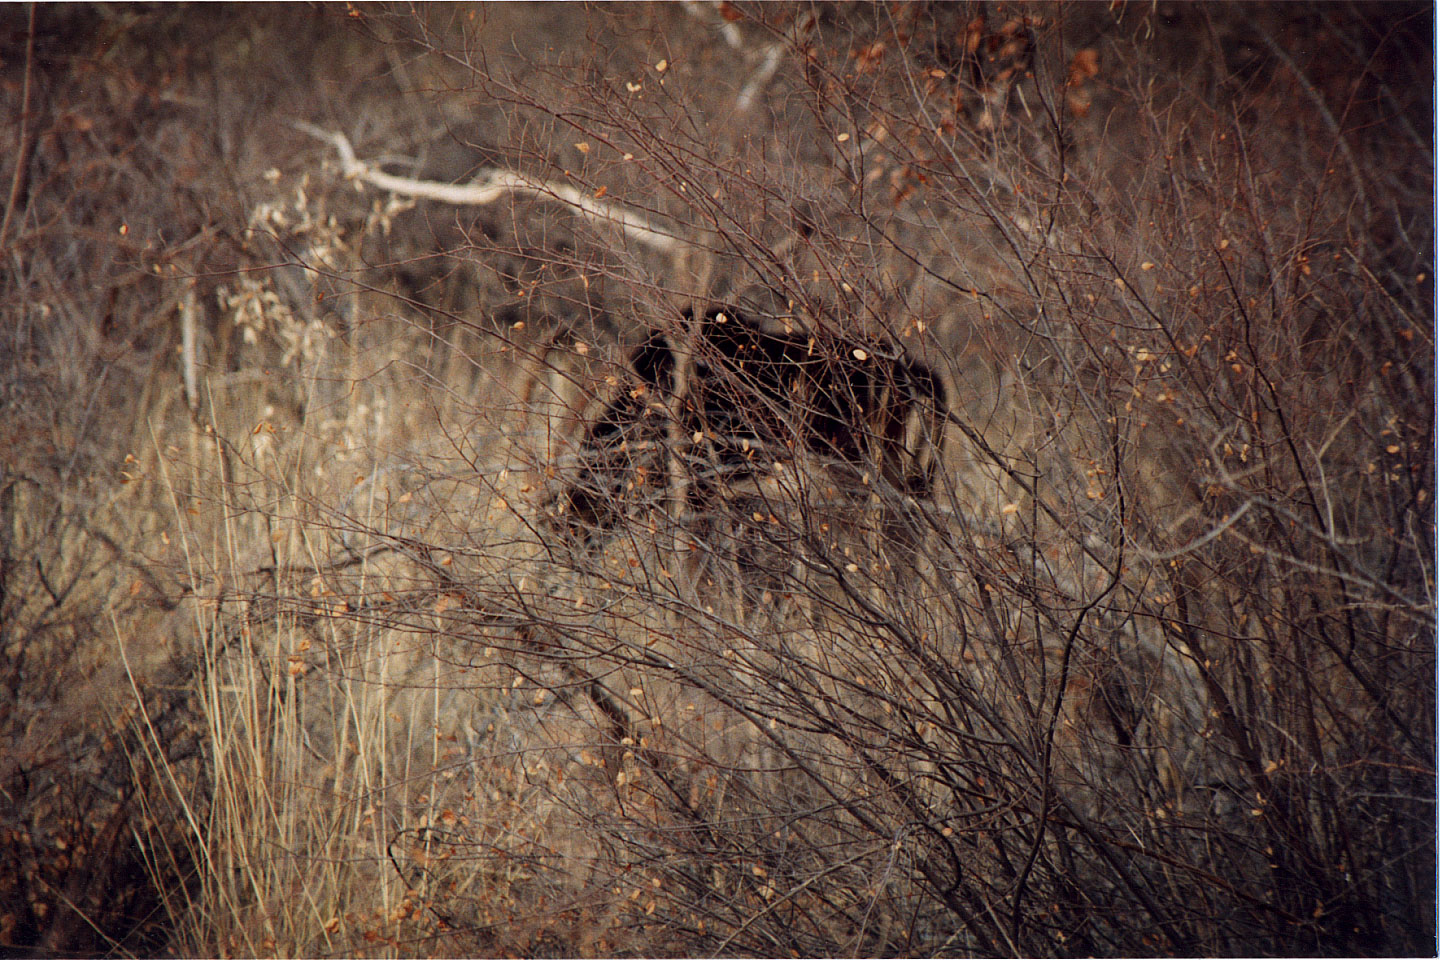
(490, 185)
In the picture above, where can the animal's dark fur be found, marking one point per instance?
(750, 393)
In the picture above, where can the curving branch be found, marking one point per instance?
(491, 185)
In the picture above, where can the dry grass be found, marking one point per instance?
(295, 663)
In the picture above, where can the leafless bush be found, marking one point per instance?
(1145, 664)
(1159, 674)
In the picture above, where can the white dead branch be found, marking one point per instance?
(757, 83)
(491, 185)
(710, 13)
(770, 58)
(188, 310)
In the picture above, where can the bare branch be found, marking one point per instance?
(491, 185)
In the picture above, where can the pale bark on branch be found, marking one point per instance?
(490, 185)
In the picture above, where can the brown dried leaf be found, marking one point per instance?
(1084, 65)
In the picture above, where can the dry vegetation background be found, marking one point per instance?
(294, 662)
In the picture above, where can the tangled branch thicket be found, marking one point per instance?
(466, 591)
